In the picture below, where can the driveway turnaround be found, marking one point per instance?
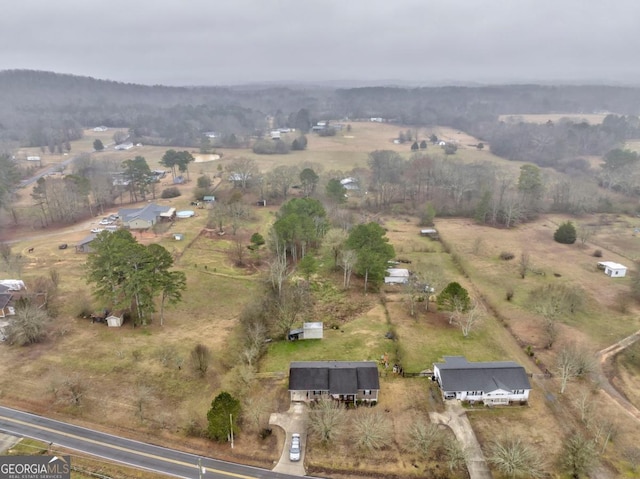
(456, 418)
(292, 421)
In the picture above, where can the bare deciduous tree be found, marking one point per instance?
(242, 171)
(255, 334)
(255, 411)
(348, 260)
(470, 320)
(523, 265)
(514, 458)
(327, 420)
(573, 362)
(373, 429)
(200, 359)
(293, 301)
(603, 431)
(238, 252)
(141, 400)
(585, 405)
(75, 389)
(631, 454)
(334, 242)
(278, 272)
(578, 455)
(585, 232)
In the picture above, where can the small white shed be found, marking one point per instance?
(397, 276)
(615, 270)
(114, 321)
(312, 330)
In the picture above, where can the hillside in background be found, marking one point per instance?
(40, 108)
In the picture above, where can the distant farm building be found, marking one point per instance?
(145, 218)
(33, 158)
(124, 146)
(100, 128)
(615, 270)
(275, 134)
(350, 184)
(429, 233)
(397, 276)
(84, 246)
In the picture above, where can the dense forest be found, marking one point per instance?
(48, 110)
(40, 108)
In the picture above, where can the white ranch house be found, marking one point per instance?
(492, 383)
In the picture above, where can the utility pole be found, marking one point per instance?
(231, 425)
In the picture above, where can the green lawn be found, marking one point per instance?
(359, 340)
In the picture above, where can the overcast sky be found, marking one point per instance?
(221, 42)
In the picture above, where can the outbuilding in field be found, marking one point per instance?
(430, 233)
(114, 321)
(397, 276)
(615, 270)
(312, 330)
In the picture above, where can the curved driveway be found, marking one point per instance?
(292, 421)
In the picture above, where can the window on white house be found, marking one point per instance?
(367, 392)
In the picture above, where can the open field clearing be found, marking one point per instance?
(591, 118)
(141, 381)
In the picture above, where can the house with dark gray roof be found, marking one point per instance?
(493, 383)
(144, 218)
(348, 381)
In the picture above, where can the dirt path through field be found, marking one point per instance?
(604, 356)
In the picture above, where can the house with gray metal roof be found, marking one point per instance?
(493, 383)
(144, 218)
(348, 381)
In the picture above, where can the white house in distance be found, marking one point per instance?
(350, 184)
(397, 276)
(492, 383)
(615, 270)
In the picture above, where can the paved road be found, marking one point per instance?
(169, 462)
(48, 171)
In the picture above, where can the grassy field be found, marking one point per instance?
(140, 381)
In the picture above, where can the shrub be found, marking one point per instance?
(506, 255)
(509, 294)
(566, 233)
(597, 253)
(172, 192)
(270, 147)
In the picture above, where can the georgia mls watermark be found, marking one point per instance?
(35, 467)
